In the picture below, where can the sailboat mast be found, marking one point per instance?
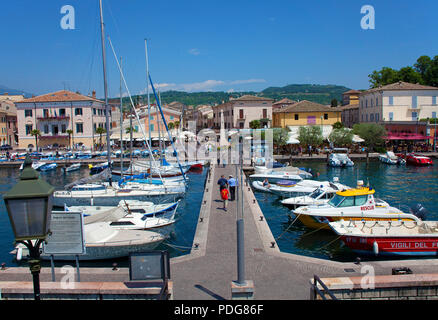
(149, 104)
(105, 85)
(121, 122)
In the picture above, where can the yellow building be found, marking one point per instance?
(351, 97)
(305, 113)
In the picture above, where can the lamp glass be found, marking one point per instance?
(30, 217)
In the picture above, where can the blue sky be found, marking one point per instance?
(200, 45)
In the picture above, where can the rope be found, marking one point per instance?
(287, 229)
(326, 245)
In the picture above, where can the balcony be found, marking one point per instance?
(54, 136)
(53, 118)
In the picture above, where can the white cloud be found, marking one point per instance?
(194, 51)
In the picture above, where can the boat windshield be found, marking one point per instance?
(315, 194)
(336, 200)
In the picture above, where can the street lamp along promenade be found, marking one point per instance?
(29, 206)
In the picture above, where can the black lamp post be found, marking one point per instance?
(29, 206)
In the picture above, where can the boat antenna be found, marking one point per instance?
(105, 85)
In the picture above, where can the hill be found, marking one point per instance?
(12, 92)
(313, 92)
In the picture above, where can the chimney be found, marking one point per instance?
(93, 94)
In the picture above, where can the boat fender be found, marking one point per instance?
(19, 254)
(376, 248)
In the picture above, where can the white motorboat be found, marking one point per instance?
(265, 170)
(145, 208)
(321, 195)
(130, 214)
(35, 165)
(104, 195)
(390, 158)
(274, 177)
(73, 167)
(302, 188)
(102, 242)
(48, 167)
(340, 159)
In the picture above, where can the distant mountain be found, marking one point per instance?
(12, 92)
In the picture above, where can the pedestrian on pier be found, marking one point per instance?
(232, 182)
(222, 182)
(225, 195)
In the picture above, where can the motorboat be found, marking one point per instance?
(274, 176)
(99, 194)
(94, 169)
(389, 238)
(340, 159)
(302, 188)
(321, 195)
(35, 165)
(48, 167)
(73, 167)
(298, 171)
(416, 159)
(352, 204)
(390, 158)
(130, 214)
(102, 242)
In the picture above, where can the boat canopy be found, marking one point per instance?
(356, 192)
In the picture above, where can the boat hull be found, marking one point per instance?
(322, 222)
(393, 246)
(60, 201)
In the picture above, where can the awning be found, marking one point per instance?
(406, 136)
(357, 139)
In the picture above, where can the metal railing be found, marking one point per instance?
(321, 293)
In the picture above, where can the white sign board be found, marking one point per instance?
(67, 234)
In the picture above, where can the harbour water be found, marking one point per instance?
(400, 186)
(181, 236)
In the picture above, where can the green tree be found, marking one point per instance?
(255, 124)
(100, 131)
(383, 77)
(372, 133)
(128, 130)
(337, 125)
(69, 132)
(341, 137)
(171, 125)
(310, 135)
(279, 137)
(36, 133)
(176, 124)
(334, 103)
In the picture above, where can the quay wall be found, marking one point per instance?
(381, 287)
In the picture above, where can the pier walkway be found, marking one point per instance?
(207, 272)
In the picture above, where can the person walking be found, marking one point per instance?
(223, 183)
(225, 196)
(232, 182)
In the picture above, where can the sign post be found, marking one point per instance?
(66, 237)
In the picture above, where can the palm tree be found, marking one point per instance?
(36, 133)
(100, 131)
(171, 125)
(128, 130)
(176, 124)
(70, 132)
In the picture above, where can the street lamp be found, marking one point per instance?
(29, 206)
